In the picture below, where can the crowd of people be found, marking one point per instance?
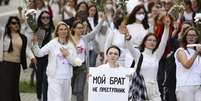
(61, 39)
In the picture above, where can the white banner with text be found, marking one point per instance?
(108, 84)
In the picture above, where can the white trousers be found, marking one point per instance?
(59, 89)
(153, 91)
(188, 93)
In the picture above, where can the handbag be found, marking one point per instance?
(169, 83)
(137, 90)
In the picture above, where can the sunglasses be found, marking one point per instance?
(45, 17)
(14, 23)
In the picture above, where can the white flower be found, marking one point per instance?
(78, 62)
(30, 11)
(198, 18)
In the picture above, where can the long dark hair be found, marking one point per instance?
(142, 45)
(41, 25)
(8, 30)
(74, 26)
(132, 16)
(117, 20)
(96, 15)
(83, 2)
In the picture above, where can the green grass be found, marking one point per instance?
(25, 87)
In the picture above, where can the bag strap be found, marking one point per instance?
(133, 63)
(139, 63)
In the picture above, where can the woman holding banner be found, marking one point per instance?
(112, 54)
(109, 79)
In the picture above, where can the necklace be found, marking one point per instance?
(62, 42)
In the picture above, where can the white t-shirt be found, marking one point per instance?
(80, 47)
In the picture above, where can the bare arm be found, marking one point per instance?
(92, 34)
(182, 58)
(109, 40)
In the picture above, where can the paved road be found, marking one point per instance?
(9, 10)
(25, 75)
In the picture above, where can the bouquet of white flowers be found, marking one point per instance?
(78, 61)
(197, 18)
(31, 19)
(175, 11)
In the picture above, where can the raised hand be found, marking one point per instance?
(103, 16)
(166, 21)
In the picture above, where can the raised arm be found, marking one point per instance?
(162, 45)
(43, 51)
(109, 39)
(92, 34)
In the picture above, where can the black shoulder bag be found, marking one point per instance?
(137, 90)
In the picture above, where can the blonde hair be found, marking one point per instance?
(69, 36)
(57, 28)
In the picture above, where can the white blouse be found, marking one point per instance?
(187, 77)
(81, 49)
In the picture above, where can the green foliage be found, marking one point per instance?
(25, 87)
(99, 4)
(122, 4)
(198, 27)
